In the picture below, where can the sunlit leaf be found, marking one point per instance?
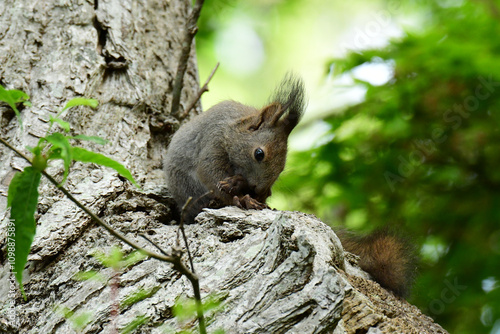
(89, 275)
(95, 139)
(65, 125)
(59, 141)
(80, 101)
(22, 199)
(64, 311)
(83, 155)
(184, 309)
(134, 324)
(80, 320)
(133, 258)
(137, 296)
(12, 97)
(110, 260)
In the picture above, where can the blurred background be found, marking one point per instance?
(401, 129)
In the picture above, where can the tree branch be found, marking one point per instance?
(200, 93)
(191, 31)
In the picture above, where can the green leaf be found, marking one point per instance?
(35, 150)
(212, 302)
(80, 101)
(18, 96)
(133, 258)
(22, 199)
(39, 162)
(114, 258)
(63, 124)
(95, 139)
(11, 97)
(54, 153)
(110, 260)
(101, 257)
(59, 141)
(64, 311)
(137, 296)
(89, 275)
(134, 324)
(83, 155)
(80, 320)
(219, 331)
(184, 309)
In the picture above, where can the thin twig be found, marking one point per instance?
(200, 93)
(191, 30)
(185, 207)
(153, 243)
(181, 228)
(196, 286)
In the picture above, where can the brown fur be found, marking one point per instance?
(388, 258)
(215, 151)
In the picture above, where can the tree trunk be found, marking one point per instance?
(124, 54)
(274, 271)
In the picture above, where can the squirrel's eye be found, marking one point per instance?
(259, 154)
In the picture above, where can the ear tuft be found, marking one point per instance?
(284, 109)
(290, 94)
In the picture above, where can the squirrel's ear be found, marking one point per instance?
(292, 117)
(266, 117)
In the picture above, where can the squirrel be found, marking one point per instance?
(232, 154)
(235, 152)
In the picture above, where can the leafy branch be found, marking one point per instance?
(23, 191)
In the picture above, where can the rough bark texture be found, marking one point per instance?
(275, 271)
(123, 53)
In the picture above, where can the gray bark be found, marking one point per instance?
(123, 53)
(274, 271)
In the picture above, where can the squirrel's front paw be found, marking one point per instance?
(247, 202)
(232, 185)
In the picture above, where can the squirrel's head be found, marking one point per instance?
(262, 146)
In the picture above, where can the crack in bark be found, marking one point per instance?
(113, 62)
(306, 310)
(102, 34)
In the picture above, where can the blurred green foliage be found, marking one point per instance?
(422, 154)
(419, 154)
(257, 42)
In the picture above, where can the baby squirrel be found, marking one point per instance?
(234, 151)
(232, 154)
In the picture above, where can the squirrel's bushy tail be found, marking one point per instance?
(290, 94)
(387, 257)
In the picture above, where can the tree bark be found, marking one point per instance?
(124, 54)
(275, 272)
